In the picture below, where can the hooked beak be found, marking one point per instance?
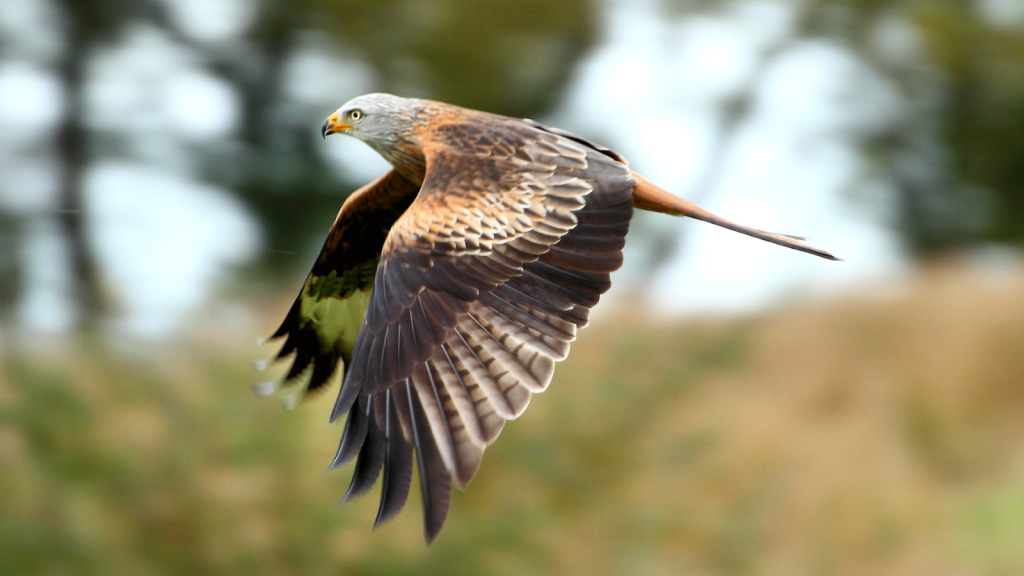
(333, 125)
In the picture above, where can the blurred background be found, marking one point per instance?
(735, 408)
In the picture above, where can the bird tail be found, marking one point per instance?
(648, 196)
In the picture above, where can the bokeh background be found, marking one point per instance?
(735, 408)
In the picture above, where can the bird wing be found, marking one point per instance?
(481, 286)
(321, 326)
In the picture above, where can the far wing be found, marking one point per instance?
(481, 287)
(321, 325)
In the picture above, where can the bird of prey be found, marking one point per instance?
(449, 287)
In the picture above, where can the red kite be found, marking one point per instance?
(450, 286)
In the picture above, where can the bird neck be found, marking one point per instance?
(408, 160)
(402, 147)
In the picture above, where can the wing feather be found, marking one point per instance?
(556, 349)
(433, 408)
(435, 480)
(397, 464)
(478, 363)
(356, 427)
(497, 344)
(454, 381)
(370, 459)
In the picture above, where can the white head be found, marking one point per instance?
(386, 124)
(380, 120)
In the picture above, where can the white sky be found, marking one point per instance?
(655, 89)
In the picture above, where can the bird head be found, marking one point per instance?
(377, 119)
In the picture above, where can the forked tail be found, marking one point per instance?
(647, 196)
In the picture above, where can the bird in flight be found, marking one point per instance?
(449, 287)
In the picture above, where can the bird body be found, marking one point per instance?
(448, 288)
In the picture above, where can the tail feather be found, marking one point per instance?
(648, 196)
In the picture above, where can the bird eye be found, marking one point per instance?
(356, 115)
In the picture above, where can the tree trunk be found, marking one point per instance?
(72, 150)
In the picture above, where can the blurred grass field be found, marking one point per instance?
(853, 436)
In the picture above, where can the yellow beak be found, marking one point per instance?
(333, 125)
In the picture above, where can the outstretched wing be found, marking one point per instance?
(481, 287)
(322, 324)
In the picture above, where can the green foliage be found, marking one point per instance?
(984, 118)
(856, 438)
(111, 466)
(970, 78)
(991, 528)
(10, 272)
(507, 57)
